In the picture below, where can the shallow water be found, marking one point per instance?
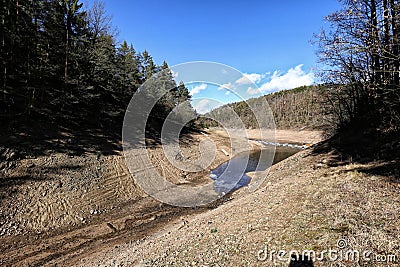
(231, 175)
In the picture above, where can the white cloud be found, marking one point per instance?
(250, 78)
(197, 89)
(225, 86)
(205, 105)
(227, 93)
(253, 91)
(295, 77)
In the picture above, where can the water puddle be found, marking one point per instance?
(229, 176)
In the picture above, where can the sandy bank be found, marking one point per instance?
(281, 136)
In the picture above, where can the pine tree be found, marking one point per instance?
(66, 31)
(102, 63)
(127, 68)
(19, 49)
(183, 93)
(147, 67)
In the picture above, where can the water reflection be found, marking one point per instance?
(229, 176)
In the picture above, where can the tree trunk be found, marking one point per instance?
(66, 52)
(387, 44)
(395, 46)
(376, 69)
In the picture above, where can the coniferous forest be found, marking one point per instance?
(62, 64)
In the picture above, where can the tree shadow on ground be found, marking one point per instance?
(378, 154)
(389, 169)
(41, 136)
(73, 133)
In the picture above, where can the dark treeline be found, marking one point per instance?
(62, 65)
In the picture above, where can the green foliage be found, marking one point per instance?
(102, 62)
(60, 59)
(129, 76)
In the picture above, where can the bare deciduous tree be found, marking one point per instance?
(360, 56)
(99, 20)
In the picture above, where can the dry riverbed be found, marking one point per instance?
(308, 202)
(87, 210)
(56, 207)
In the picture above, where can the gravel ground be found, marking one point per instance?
(309, 202)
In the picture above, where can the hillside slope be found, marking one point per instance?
(297, 108)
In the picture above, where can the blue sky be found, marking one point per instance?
(268, 40)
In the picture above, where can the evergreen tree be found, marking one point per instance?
(147, 67)
(19, 52)
(127, 68)
(182, 93)
(66, 31)
(57, 56)
(102, 62)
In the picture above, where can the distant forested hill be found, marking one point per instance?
(297, 108)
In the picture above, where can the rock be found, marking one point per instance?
(30, 165)
(57, 184)
(213, 176)
(318, 166)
